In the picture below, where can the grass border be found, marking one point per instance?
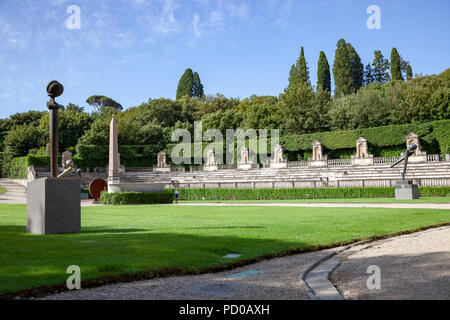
(173, 271)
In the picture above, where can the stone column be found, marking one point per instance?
(113, 167)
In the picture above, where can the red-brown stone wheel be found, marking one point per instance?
(96, 187)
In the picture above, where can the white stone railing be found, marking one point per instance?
(227, 166)
(297, 164)
(137, 169)
(383, 160)
(434, 157)
(340, 162)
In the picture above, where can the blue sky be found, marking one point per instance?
(132, 50)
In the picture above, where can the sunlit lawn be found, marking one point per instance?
(129, 239)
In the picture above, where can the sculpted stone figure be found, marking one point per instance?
(67, 164)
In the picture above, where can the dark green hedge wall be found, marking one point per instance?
(124, 198)
(301, 193)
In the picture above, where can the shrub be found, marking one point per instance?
(302, 193)
(17, 168)
(124, 198)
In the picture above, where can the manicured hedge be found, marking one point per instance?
(130, 155)
(301, 193)
(17, 168)
(383, 141)
(124, 198)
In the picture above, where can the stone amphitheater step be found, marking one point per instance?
(13, 189)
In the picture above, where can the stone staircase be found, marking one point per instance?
(15, 192)
(427, 174)
(379, 175)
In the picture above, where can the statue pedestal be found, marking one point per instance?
(112, 185)
(162, 169)
(210, 168)
(53, 206)
(362, 161)
(406, 190)
(247, 166)
(278, 165)
(318, 163)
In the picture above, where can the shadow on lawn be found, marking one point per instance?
(122, 255)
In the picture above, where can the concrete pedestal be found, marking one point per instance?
(210, 168)
(53, 206)
(318, 163)
(247, 166)
(362, 161)
(406, 190)
(162, 169)
(278, 165)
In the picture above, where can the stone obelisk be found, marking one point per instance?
(113, 167)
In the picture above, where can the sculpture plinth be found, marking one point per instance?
(162, 165)
(278, 162)
(318, 159)
(53, 204)
(211, 164)
(406, 190)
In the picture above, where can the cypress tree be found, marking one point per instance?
(323, 73)
(299, 72)
(368, 75)
(380, 66)
(342, 69)
(409, 73)
(302, 68)
(294, 77)
(186, 84)
(396, 68)
(197, 90)
(357, 68)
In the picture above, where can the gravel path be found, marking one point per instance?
(415, 266)
(276, 279)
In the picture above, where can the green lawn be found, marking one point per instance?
(129, 239)
(356, 200)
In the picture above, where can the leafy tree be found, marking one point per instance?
(380, 66)
(260, 112)
(439, 104)
(342, 69)
(186, 84)
(368, 75)
(72, 125)
(296, 108)
(323, 73)
(409, 73)
(197, 89)
(101, 102)
(222, 120)
(396, 68)
(29, 118)
(20, 139)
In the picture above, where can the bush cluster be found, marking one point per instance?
(301, 193)
(124, 198)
